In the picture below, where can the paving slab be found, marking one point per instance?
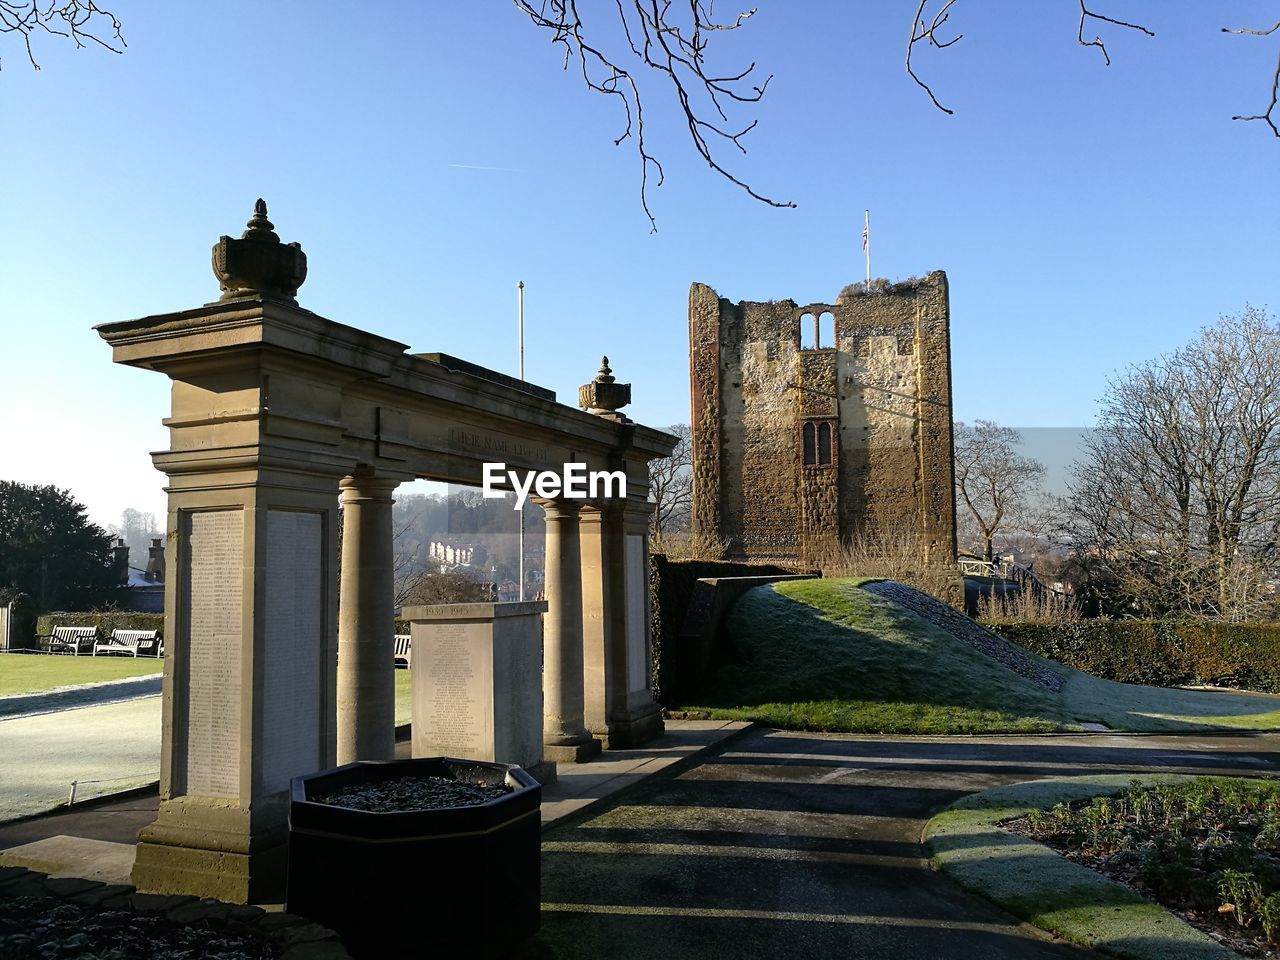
(63, 856)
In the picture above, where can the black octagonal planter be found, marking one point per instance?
(458, 881)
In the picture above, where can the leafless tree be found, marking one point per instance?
(667, 43)
(671, 486)
(993, 481)
(621, 48)
(447, 586)
(136, 529)
(670, 40)
(81, 21)
(1179, 489)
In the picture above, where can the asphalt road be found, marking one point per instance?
(40, 755)
(802, 845)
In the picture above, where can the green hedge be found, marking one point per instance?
(105, 622)
(1158, 652)
(670, 589)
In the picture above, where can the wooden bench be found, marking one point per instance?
(404, 650)
(73, 640)
(134, 642)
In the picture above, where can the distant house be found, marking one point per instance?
(455, 550)
(144, 588)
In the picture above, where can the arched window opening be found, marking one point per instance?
(808, 332)
(826, 336)
(810, 446)
(824, 444)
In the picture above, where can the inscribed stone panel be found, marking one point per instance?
(637, 615)
(454, 696)
(213, 589)
(293, 647)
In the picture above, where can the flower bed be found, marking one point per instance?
(1208, 848)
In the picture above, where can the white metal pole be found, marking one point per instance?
(520, 325)
(866, 244)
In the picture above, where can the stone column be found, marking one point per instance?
(596, 655)
(563, 730)
(620, 705)
(366, 621)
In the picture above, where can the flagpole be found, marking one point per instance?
(520, 328)
(866, 244)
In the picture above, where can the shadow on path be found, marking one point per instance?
(804, 845)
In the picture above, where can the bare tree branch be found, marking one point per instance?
(928, 34)
(674, 47)
(1275, 79)
(919, 34)
(1086, 13)
(83, 21)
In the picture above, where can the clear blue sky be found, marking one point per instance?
(1088, 217)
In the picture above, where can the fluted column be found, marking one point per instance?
(563, 730)
(366, 622)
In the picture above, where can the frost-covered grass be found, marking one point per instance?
(31, 673)
(827, 655)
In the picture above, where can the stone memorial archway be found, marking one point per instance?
(275, 411)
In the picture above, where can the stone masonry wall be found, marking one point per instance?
(884, 387)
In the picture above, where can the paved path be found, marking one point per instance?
(83, 695)
(787, 845)
(40, 755)
(769, 845)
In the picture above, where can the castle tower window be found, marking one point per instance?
(826, 336)
(824, 444)
(818, 442)
(808, 333)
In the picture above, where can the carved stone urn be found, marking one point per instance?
(603, 396)
(258, 265)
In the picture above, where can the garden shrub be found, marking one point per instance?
(1160, 653)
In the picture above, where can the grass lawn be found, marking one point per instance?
(404, 708)
(826, 655)
(29, 673)
(1033, 882)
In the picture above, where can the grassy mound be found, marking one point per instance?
(827, 655)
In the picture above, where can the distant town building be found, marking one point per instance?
(457, 550)
(144, 587)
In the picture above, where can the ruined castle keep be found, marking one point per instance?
(817, 424)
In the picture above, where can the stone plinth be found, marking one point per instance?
(477, 683)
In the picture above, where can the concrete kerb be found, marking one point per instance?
(101, 799)
(1036, 884)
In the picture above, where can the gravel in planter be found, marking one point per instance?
(45, 928)
(414, 793)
